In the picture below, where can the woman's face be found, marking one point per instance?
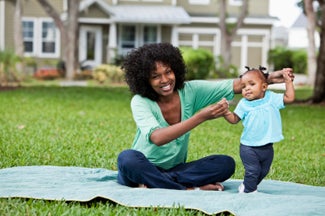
(253, 86)
(162, 80)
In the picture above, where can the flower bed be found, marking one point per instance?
(47, 74)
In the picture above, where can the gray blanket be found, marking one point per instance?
(84, 184)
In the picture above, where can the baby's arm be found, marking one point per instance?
(289, 94)
(231, 117)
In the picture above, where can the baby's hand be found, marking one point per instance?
(287, 74)
(224, 102)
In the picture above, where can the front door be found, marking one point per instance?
(90, 45)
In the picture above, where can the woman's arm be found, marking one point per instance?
(274, 77)
(162, 136)
(279, 76)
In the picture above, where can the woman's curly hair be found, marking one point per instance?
(140, 62)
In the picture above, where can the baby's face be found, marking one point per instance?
(253, 85)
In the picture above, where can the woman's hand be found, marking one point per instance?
(279, 76)
(215, 110)
(164, 135)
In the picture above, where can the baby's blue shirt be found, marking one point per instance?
(261, 119)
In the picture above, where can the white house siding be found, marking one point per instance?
(207, 38)
(173, 24)
(253, 45)
(297, 36)
(249, 47)
(2, 25)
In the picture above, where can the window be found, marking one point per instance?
(28, 35)
(48, 37)
(41, 38)
(199, 2)
(91, 45)
(149, 34)
(128, 36)
(132, 36)
(140, 0)
(236, 2)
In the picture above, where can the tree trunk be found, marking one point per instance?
(319, 87)
(311, 51)
(18, 36)
(228, 31)
(69, 33)
(72, 34)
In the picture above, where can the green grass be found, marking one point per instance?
(88, 127)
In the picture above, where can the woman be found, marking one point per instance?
(165, 109)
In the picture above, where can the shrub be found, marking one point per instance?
(223, 72)
(118, 60)
(200, 63)
(30, 65)
(299, 58)
(105, 72)
(8, 72)
(84, 75)
(281, 57)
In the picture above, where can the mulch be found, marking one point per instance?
(8, 88)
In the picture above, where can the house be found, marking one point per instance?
(297, 34)
(279, 36)
(110, 28)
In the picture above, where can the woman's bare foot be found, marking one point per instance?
(142, 186)
(217, 186)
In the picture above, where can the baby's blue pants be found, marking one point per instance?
(257, 162)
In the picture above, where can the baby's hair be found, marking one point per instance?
(260, 69)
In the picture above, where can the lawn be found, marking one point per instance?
(89, 126)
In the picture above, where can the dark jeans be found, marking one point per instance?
(257, 162)
(134, 169)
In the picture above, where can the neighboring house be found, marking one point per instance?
(109, 28)
(297, 36)
(279, 36)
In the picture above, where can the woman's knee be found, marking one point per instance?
(225, 164)
(230, 164)
(128, 158)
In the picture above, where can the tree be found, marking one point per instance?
(229, 30)
(315, 22)
(319, 87)
(18, 37)
(11, 62)
(311, 28)
(69, 30)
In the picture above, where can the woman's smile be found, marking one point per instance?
(162, 79)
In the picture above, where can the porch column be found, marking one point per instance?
(174, 36)
(112, 43)
(265, 48)
(243, 52)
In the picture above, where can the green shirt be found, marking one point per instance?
(147, 115)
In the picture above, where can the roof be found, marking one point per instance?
(301, 22)
(150, 14)
(162, 14)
